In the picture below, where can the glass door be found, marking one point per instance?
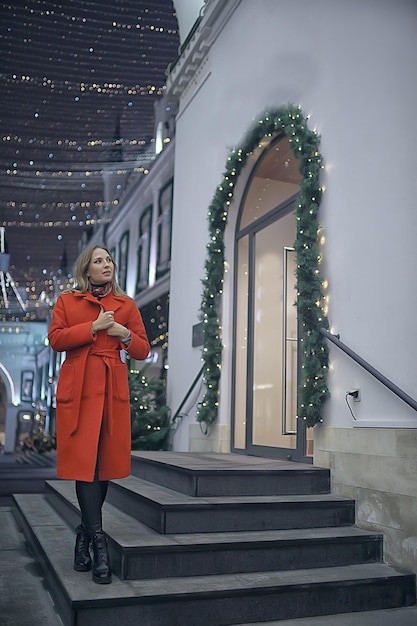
(273, 337)
(266, 334)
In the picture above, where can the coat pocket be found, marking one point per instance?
(120, 382)
(65, 387)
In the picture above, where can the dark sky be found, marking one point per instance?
(70, 72)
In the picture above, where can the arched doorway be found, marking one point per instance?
(265, 319)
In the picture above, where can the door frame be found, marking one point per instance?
(298, 453)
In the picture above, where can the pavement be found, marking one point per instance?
(24, 599)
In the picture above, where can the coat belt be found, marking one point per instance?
(106, 355)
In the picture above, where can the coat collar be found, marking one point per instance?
(108, 302)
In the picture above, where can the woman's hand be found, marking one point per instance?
(104, 321)
(118, 330)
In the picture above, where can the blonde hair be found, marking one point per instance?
(81, 268)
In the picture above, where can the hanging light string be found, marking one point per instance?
(72, 74)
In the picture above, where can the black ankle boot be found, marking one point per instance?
(82, 559)
(101, 560)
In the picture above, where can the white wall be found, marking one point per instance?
(193, 187)
(369, 209)
(350, 65)
(187, 13)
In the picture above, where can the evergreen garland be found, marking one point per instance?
(304, 145)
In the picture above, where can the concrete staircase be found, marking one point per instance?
(25, 472)
(215, 540)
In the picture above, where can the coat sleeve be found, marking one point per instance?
(63, 336)
(138, 347)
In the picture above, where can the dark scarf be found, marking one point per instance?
(99, 291)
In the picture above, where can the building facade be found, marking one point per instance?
(25, 389)
(263, 98)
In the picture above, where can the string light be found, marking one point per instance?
(313, 390)
(72, 75)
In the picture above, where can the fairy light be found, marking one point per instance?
(304, 145)
(59, 107)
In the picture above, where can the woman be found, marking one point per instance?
(92, 324)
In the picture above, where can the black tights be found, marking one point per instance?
(91, 497)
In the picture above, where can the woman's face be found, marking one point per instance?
(101, 267)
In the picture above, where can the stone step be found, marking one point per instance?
(168, 511)
(24, 479)
(37, 459)
(199, 474)
(219, 600)
(388, 617)
(139, 552)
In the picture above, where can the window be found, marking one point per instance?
(159, 139)
(164, 229)
(26, 385)
(123, 256)
(144, 249)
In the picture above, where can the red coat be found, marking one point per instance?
(93, 392)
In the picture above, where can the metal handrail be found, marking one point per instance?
(187, 395)
(369, 368)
